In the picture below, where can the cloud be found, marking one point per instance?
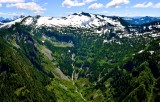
(117, 3)
(11, 1)
(143, 5)
(157, 5)
(46, 3)
(32, 6)
(88, 1)
(0, 5)
(95, 6)
(70, 3)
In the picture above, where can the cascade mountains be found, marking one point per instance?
(79, 58)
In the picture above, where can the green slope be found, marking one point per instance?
(74, 65)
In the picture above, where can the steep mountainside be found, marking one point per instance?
(81, 57)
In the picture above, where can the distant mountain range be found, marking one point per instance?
(132, 20)
(96, 23)
(85, 20)
(4, 20)
(141, 20)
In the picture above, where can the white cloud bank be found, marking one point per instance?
(72, 3)
(116, 3)
(32, 6)
(88, 1)
(11, 1)
(147, 4)
(157, 5)
(95, 6)
(143, 5)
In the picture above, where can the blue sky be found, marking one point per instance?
(57, 8)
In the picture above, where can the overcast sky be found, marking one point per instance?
(56, 8)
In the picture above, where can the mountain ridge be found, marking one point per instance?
(100, 23)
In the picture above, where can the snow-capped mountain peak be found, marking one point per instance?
(80, 20)
(76, 20)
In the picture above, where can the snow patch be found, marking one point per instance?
(151, 52)
(141, 51)
(80, 21)
(28, 21)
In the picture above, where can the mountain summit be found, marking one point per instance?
(79, 20)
